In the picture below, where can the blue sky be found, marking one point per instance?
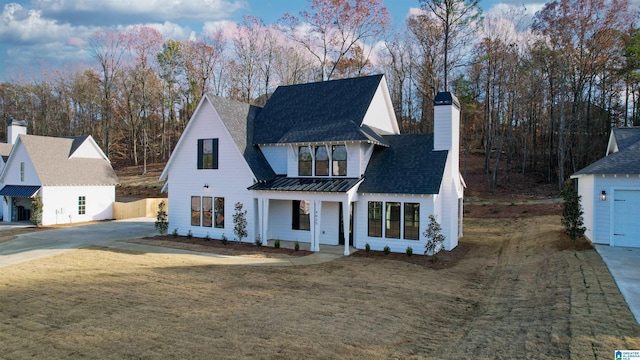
(36, 34)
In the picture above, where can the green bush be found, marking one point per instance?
(367, 247)
(224, 240)
(258, 241)
(162, 224)
(387, 250)
(435, 238)
(276, 244)
(296, 247)
(175, 232)
(409, 251)
(572, 212)
(207, 237)
(189, 234)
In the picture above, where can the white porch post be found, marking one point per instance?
(318, 216)
(264, 220)
(312, 225)
(346, 207)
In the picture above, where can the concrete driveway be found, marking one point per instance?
(624, 266)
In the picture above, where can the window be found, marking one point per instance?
(207, 153)
(392, 217)
(22, 172)
(411, 221)
(304, 161)
(322, 161)
(195, 210)
(339, 158)
(218, 205)
(300, 214)
(207, 214)
(82, 205)
(375, 218)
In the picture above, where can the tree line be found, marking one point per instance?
(538, 94)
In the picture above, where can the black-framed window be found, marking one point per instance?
(305, 161)
(375, 218)
(300, 215)
(322, 161)
(339, 160)
(207, 214)
(195, 210)
(411, 221)
(392, 223)
(82, 205)
(218, 206)
(207, 153)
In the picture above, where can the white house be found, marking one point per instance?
(610, 190)
(322, 163)
(72, 176)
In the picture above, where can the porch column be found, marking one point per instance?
(346, 207)
(318, 213)
(264, 220)
(312, 225)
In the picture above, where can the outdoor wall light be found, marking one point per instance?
(206, 186)
(603, 196)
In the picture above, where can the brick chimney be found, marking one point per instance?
(14, 129)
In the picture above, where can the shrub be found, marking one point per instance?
(572, 212)
(367, 247)
(434, 236)
(207, 237)
(162, 224)
(276, 244)
(36, 210)
(387, 250)
(258, 241)
(224, 240)
(240, 222)
(189, 234)
(175, 232)
(296, 246)
(409, 251)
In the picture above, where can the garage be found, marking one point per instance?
(626, 221)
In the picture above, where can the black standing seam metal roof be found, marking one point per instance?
(317, 112)
(408, 166)
(19, 190)
(283, 183)
(625, 161)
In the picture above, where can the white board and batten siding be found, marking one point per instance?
(380, 114)
(62, 203)
(229, 181)
(280, 223)
(614, 221)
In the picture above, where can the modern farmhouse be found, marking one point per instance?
(72, 176)
(321, 163)
(610, 191)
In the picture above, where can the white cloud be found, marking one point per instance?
(21, 25)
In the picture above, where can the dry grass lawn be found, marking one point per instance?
(516, 294)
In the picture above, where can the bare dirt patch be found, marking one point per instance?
(514, 294)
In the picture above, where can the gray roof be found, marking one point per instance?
(5, 150)
(318, 112)
(408, 166)
(50, 157)
(625, 161)
(239, 118)
(283, 183)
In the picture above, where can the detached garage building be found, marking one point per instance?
(610, 190)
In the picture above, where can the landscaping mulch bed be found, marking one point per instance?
(443, 259)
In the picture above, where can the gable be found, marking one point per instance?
(380, 114)
(85, 147)
(317, 112)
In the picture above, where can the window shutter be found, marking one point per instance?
(200, 143)
(295, 218)
(215, 153)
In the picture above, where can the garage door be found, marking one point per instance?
(626, 218)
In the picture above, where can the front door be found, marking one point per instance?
(341, 225)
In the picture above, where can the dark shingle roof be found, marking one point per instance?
(408, 166)
(283, 183)
(625, 161)
(239, 118)
(317, 112)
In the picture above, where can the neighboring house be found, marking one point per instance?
(610, 191)
(321, 163)
(72, 176)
